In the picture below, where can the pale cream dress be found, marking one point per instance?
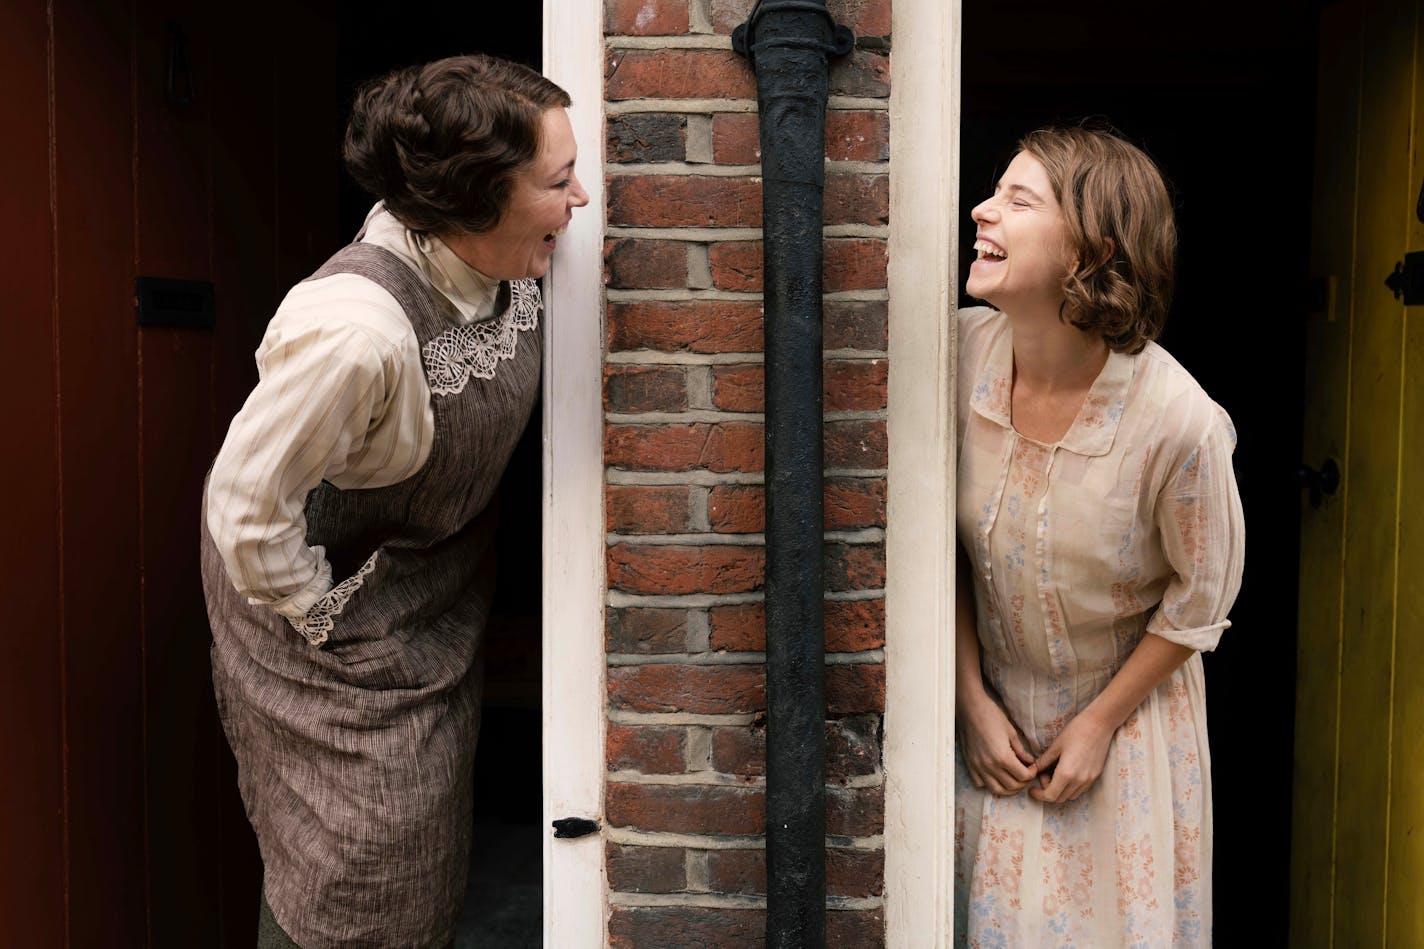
(1131, 523)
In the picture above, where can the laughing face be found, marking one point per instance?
(540, 206)
(1021, 241)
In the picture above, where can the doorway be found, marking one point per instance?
(503, 904)
(1222, 97)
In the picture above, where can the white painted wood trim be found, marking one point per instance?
(920, 544)
(575, 897)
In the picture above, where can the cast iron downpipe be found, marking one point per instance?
(787, 43)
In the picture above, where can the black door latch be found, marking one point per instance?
(1407, 280)
(569, 827)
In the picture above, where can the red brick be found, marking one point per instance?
(736, 138)
(849, 263)
(855, 687)
(858, 199)
(677, 74)
(856, 385)
(698, 326)
(646, 508)
(721, 447)
(855, 812)
(650, 749)
(851, 135)
(697, 690)
(847, 386)
(856, 443)
(737, 508)
(854, 566)
(688, 201)
(675, 569)
(645, 869)
(854, 503)
(855, 625)
(852, 748)
(849, 873)
(646, 631)
(855, 929)
(739, 627)
(857, 324)
(645, 264)
(694, 809)
(645, 137)
(864, 74)
(687, 927)
(738, 388)
(632, 389)
(864, 17)
(851, 626)
(858, 135)
(850, 504)
(645, 17)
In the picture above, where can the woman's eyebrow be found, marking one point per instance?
(1024, 189)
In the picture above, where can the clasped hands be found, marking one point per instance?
(997, 756)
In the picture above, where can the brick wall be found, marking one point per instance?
(683, 449)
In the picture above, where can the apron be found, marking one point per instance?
(355, 739)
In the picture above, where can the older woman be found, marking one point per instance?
(346, 559)
(1102, 543)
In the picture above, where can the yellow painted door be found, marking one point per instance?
(1357, 859)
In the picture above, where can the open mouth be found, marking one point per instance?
(552, 237)
(988, 251)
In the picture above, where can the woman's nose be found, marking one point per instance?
(578, 197)
(982, 212)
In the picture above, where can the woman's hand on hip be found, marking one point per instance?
(1075, 759)
(994, 752)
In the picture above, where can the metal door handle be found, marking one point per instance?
(1319, 483)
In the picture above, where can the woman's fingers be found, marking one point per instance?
(1016, 743)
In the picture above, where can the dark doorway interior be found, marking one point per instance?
(503, 903)
(1222, 95)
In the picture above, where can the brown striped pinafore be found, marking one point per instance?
(355, 755)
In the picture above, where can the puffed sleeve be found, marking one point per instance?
(1203, 538)
(321, 385)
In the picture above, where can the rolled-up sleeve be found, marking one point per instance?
(1203, 538)
(321, 386)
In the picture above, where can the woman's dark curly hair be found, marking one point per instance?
(441, 144)
(1121, 234)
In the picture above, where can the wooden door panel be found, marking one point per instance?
(32, 796)
(1403, 908)
(172, 184)
(1372, 485)
(98, 405)
(1324, 436)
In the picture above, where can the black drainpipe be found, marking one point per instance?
(787, 43)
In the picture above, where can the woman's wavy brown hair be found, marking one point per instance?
(1121, 233)
(442, 143)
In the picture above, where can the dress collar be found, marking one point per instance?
(1096, 424)
(466, 294)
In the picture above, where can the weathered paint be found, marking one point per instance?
(1358, 796)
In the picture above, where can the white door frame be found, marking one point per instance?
(919, 725)
(575, 895)
(919, 534)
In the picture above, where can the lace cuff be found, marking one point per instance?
(318, 621)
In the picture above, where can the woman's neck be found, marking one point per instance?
(1052, 355)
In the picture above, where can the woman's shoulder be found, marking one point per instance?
(341, 307)
(978, 327)
(1182, 409)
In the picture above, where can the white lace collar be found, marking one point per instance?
(475, 349)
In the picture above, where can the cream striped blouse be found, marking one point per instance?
(341, 397)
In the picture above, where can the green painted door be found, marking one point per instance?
(1358, 844)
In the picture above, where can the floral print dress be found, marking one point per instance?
(1131, 523)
